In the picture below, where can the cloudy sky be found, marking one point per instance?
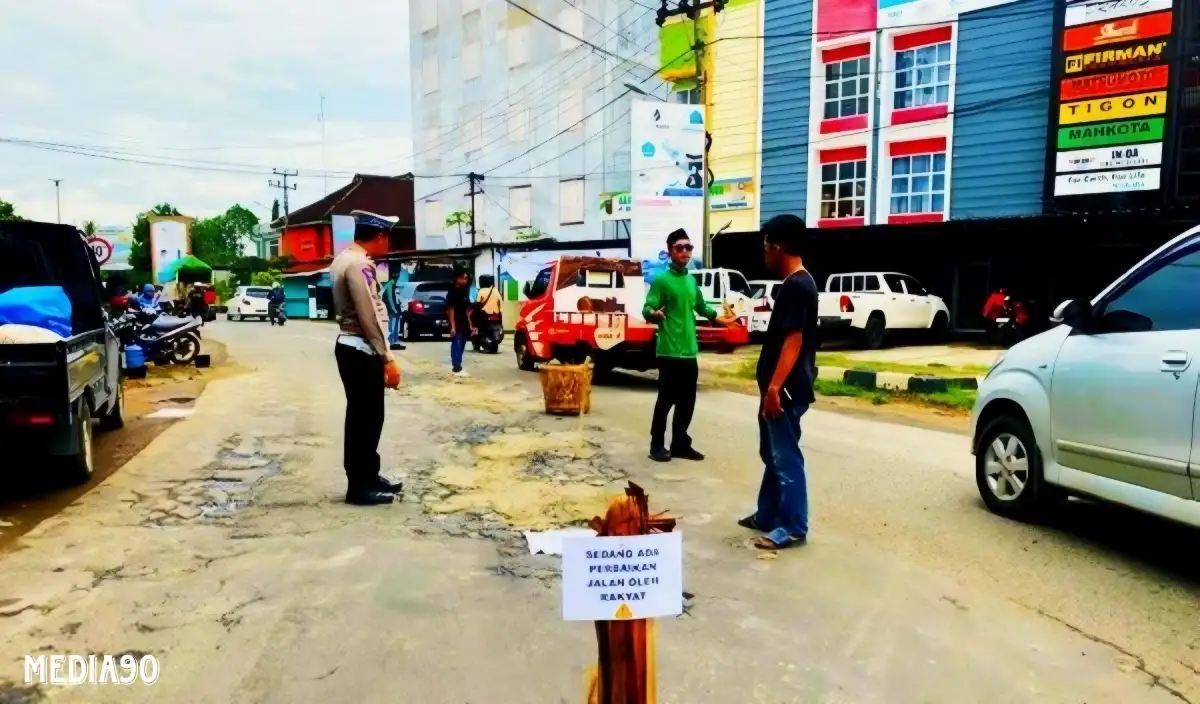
(231, 88)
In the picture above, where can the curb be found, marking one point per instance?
(897, 381)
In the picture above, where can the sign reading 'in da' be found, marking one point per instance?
(619, 578)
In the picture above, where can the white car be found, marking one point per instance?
(1103, 405)
(248, 302)
(726, 287)
(873, 303)
(763, 295)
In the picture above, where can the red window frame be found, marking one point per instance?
(841, 156)
(835, 55)
(915, 147)
(914, 40)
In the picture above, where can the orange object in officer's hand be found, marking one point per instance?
(391, 374)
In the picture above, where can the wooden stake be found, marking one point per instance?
(626, 674)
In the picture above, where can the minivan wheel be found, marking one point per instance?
(524, 354)
(114, 418)
(1008, 470)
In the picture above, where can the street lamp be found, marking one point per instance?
(57, 199)
(639, 91)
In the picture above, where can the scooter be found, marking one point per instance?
(164, 338)
(489, 333)
(1009, 320)
(277, 315)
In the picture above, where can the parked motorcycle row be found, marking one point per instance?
(150, 335)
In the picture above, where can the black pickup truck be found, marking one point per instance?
(50, 393)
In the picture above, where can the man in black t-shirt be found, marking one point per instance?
(787, 367)
(458, 311)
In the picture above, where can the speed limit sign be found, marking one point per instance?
(101, 249)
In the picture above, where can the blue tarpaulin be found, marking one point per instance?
(40, 306)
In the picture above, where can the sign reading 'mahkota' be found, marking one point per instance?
(1126, 132)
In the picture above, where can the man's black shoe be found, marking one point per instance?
(660, 454)
(390, 487)
(370, 497)
(689, 453)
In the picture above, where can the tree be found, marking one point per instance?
(8, 212)
(460, 218)
(139, 248)
(528, 234)
(89, 228)
(219, 240)
(275, 210)
(265, 278)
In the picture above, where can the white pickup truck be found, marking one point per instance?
(874, 303)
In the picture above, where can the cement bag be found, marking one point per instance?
(26, 335)
(40, 306)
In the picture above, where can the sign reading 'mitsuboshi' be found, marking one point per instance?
(1111, 107)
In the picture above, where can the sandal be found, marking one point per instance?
(751, 523)
(779, 540)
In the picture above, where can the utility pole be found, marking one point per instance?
(321, 118)
(285, 174)
(705, 74)
(474, 179)
(57, 199)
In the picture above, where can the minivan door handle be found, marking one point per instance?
(1176, 361)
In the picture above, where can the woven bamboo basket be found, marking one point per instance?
(567, 389)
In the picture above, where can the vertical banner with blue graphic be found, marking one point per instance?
(667, 161)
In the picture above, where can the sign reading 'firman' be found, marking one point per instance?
(1125, 132)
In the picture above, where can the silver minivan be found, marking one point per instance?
(1104, 404)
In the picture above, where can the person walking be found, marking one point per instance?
(275, 300)
(787, 368)
(391, 300)
(365, 363)
(458, 310)
(673, 302)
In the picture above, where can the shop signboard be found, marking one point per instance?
(910, 13)
(667, 163)
(1108, 10)
(1095, 86)
(1127, 132)
(616, 206)
(111, 246)
(1107, 182)
(1091, 36)
(1118, 57)
(1126, 106)
(1109, 158)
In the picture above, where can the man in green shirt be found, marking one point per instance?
(673, 302)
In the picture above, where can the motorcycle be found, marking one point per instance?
(164, 338)
(1009, 321)
(276, 314)
(489, 332)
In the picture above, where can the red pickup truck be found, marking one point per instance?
(581, 307)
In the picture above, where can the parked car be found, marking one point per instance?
(249, 302)
(584, 307)
(872, 304)
(762, 297)
(51, 392)
(1104, 404)
(424, 306)
(726, 287)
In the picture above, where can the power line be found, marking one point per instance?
(560, 30)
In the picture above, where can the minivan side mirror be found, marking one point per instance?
(528, 290)
(1075, 313)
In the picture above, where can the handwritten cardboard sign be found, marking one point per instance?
(619, 578)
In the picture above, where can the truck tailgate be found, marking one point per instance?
(32, 371)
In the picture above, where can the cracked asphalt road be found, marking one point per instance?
(223, 549)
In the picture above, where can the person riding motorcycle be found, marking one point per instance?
(275, 301)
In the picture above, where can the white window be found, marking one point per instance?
(844, 190)
(430, 138)
(923, 76)
(518, 45)
(571, 117)
(473, 133)
(472, 22)
(469, 5)
(518, 123)
(428, 15)
(570, 19)
(847, 88)
(273, 248)
(520, 206)
(429, 75)
(687, 97)
(435, 222)
(919, 184)
(570, 201)
(471, 61)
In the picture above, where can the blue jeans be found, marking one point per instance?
(783, 497)
(458, 345)
(394, 329)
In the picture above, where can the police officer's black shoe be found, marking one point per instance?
(390, 487)
(660, 454)
(369, 497)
